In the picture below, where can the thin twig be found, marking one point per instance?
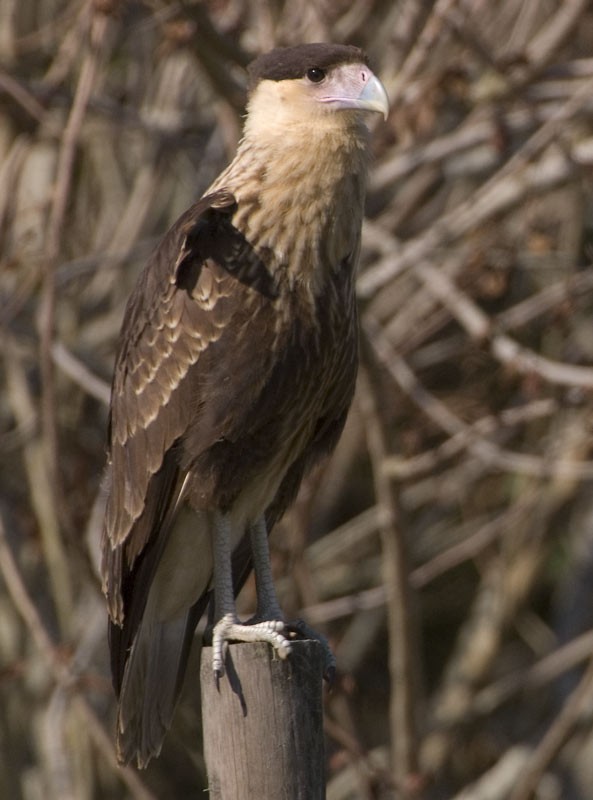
(60, 671)
(479, 326)
(40, 490)
(434, 29)
(423, 463)
(98, 26)
(451, 557)
(440, 414)
(500, 192)
(555, 737)
(21, 95)
(402, 707)
(81, 374)
(542, 672)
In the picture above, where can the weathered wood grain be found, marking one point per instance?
(263, 724)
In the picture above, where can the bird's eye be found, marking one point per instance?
(315, 74)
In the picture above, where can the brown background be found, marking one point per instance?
(465, 471)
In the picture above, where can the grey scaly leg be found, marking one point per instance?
(268, 607)
(227, 626)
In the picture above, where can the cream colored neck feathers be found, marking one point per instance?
(299, 177)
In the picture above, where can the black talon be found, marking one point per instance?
(329, 676)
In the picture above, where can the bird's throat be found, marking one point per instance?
(301, 200)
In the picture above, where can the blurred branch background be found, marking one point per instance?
(447, 547)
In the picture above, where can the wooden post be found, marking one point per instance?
(263, 725)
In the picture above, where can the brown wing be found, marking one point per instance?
(182, 304)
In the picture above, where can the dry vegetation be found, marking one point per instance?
(447, 548)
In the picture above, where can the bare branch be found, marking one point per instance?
(401, 656)
(59, 669)
(556, 735)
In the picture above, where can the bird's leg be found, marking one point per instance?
(224, 598)
(268, 607)
(227, 625)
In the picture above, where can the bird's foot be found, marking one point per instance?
(299, 628)
(228, 628)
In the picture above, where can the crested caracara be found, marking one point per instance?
(234, 372)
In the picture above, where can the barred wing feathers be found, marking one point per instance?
(183, 302)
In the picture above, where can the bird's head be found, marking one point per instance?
(312, 85)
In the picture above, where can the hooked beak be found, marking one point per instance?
(373, 97)
(358, 90)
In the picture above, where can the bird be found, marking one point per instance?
(234, 372)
